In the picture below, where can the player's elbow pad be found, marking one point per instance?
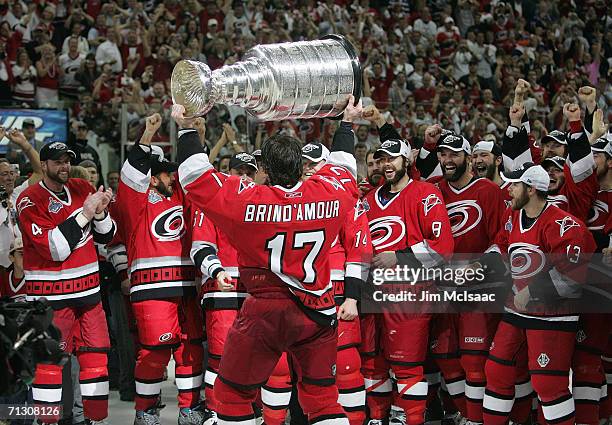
(407, 258)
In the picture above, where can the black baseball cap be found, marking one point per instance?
(455, 143)
(315, 152)
(488, 146)
(393, 148)
(555, 136)
(159, 163)
(55, 150)
(257, 154)
(557, 161)
(602, 145)
(239, 159)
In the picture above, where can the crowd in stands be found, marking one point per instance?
(455, 63)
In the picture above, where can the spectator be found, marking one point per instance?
(112, 180)
(75, 33)
(81, 147)
(87, 74)
(92, 175)
(108, 52)
(48, 73)
(425, 26)
(70, 64)
(24, 74)
(5, 75)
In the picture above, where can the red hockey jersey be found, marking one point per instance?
(155, 234)
(600, 210)
(10, 286)
(506, 194)
(206, 234)
(557, 244)
(286, 230)
(350, 254)
(415, 218)
(475, 213)
(60, 260)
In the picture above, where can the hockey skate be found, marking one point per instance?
(195, 416)
(397, 416)
(454, 419)
(377, 422)
(149, 416)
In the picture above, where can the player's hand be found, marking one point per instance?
(230, 133)
(125, 287)
(90, 205)
(153, 123)
(352, 111)
(520, 90)
(178, 114)
(106, 196)
(200, 125)
(600, 128)
(521, 299)
(571, 111)
(516, 114)
(385, 260)
(432, 135)
(348, 309)
(587, 95)
(224, 281)
(372, 114)
(17, 137)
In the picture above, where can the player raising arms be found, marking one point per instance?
(283, 263)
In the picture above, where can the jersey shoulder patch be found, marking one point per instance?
(430, 201)
(245, 184)
(565, 224)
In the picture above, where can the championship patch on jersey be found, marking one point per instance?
(565, 225)
(361, 208)
(154, 197)
(24, 203)
(430, 202)
(54, 205)
(508, 225)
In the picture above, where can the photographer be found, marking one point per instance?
(12, 279)
(9, 193)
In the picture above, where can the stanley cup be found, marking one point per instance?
(307, 79)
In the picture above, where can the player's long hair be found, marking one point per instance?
(281, 157)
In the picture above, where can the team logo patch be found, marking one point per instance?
(165, 337)
(333, 370)
(526, 260)
(154, 197)
(293, 195)
(543, 359)
(245, 157)
(508, 203)
(309, 148)
(361, 208)
(24, 203)
(508, 225)
(387, 231)
(389, 143)
(245, 184)
(335, 183)
(581, 336)
(430, 202)
(63, 345)
(599, 209)
(54, 205)
(565, 225)
(169, 225)
(474, 340)
(464, 216)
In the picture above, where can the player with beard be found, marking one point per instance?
(374, 177)
(349, 263)
(475, 207)
(409, 225)
(548, 253)
(162, 280)
(487, 162)
(60, 219)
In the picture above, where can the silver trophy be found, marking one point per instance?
(306, 79)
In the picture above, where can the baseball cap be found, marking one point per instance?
(315, 152)
(212, 21)
(159, 163)
(530, 174)
(487, 146)
(555, 136)
(16, 244)
(394, 148)
(455, 143)
(28, 122)
(449, 19)
(557, 161)
(602, 145)
(239, 159)
(88, 163)
(257, 154)
(55, 150)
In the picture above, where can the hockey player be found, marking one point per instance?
(222, 292)
(60, 218)
(487, 162)
(475, 207)
(408, 223)
(162, 281)
(283, 262)
(548, 253)
(349, 262)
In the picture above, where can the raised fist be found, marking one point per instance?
(372, 114)
(178, 114)
(522, 87)
(432, 135)
(571, 111)
(587, 95)
(516, 114)
(153, 123)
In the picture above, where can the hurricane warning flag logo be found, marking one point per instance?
(430, 202)
(565, 225)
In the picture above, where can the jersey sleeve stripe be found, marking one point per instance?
(357, 270)
(58, 245)
(344, 159)
(135, 179)
(192, 168)
(566, 287)
(426, 255)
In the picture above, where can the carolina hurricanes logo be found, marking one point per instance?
(430, 202)
(244, 185)
(331, 180)
(599, 210)
(169, 225)
(464, 216)
(565, 224)
(387, 231)
(309, 148)
(24, 203)
(526, 260)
